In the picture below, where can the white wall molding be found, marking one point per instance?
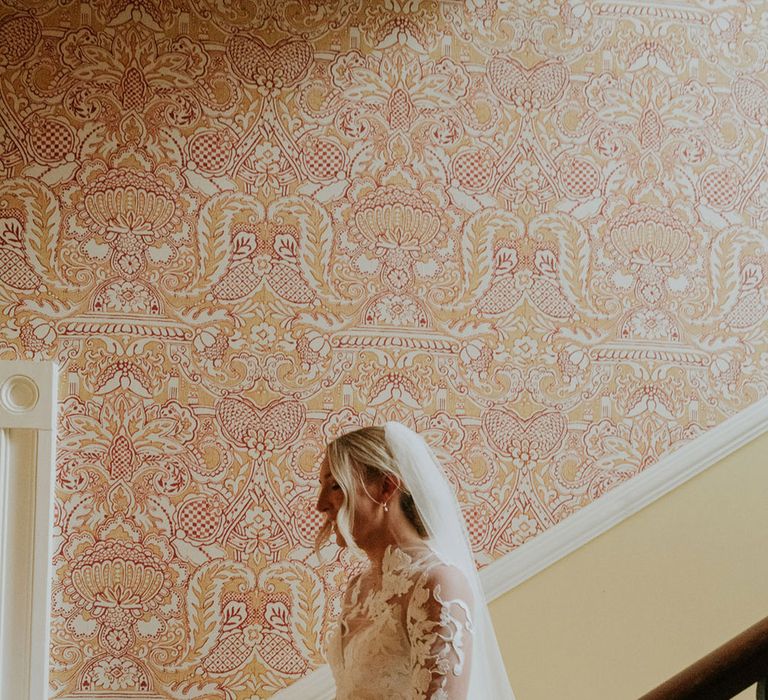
(27, 467)
(625, 500)
(593, 520)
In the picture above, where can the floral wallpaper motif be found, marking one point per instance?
(534, 231)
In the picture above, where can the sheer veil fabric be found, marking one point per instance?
(434, 499)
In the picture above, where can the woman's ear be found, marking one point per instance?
(389, 485)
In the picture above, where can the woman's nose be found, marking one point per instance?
(322, 503)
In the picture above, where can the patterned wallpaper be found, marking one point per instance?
(534, 231)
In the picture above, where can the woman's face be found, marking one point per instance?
(365, 522)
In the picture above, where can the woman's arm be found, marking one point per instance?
(439, 625)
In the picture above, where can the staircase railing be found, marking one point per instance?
(723, 673)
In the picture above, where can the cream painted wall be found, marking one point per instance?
(649, 597)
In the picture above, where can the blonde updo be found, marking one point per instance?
(363, 456)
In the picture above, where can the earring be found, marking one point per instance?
(386, 508)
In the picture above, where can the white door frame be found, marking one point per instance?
(27, 468)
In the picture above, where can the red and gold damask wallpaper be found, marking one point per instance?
(534, 231)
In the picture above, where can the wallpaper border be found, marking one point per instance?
(593, 520)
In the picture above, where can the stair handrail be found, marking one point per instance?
(724, 672)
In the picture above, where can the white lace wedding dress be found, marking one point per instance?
(407, 636)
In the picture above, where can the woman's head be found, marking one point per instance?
(358, 478)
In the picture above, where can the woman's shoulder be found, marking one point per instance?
(441, 596)
(444, 582)
(427, 567)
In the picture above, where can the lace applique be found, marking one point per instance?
(408, 639)
(440, 630)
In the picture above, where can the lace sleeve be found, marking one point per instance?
(439, 625)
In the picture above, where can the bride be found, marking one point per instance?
(414, 625)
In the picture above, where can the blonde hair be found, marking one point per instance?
(363, 456)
